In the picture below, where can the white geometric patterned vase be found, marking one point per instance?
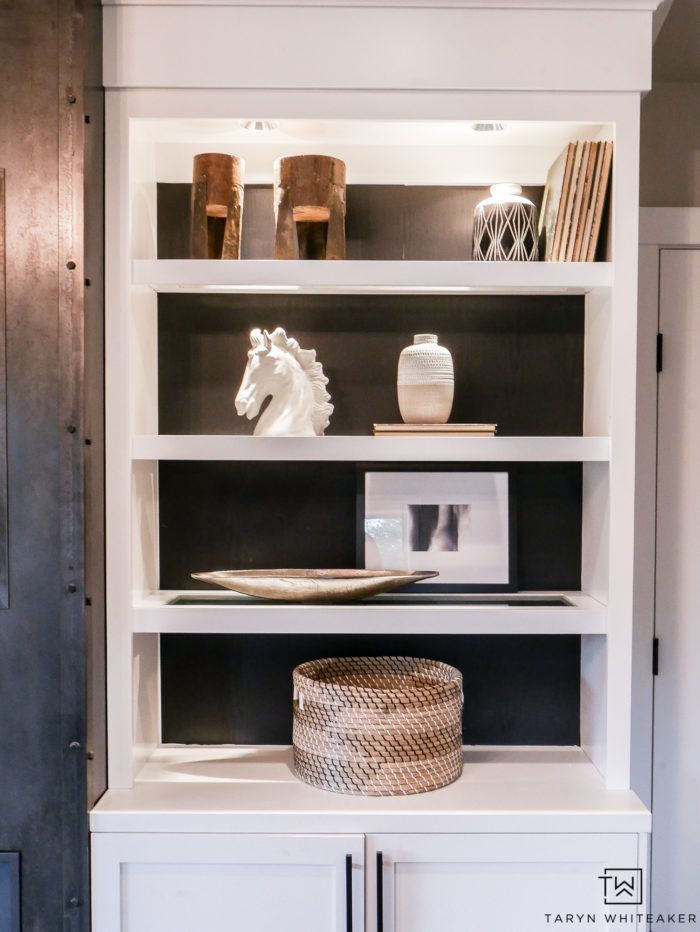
(505, 226)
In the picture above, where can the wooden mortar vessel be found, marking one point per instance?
(309, 207)
(217, 206)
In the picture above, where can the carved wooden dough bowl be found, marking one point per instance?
(293, 585)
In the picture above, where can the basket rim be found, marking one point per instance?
(454, 679)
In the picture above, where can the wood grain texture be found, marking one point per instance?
(4, 549)
(569, 203)
(602, 206)
(578, 200)
(93, 408)
(309, 198)
(49, 55)
(553, 248)
(590, 210)
(216, 206)
(30, 769)
(585, 200)
(72, 57)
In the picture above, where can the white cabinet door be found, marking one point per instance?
(227, 883)
(676, 844)
(496, 883)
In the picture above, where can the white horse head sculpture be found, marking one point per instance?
(278, 366)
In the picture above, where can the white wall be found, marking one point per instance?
(670, 145)
(670, 126)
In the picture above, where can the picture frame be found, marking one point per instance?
(459, 520)
(9, 891)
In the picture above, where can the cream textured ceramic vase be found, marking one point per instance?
(425, 381)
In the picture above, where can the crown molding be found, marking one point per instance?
(562, 5)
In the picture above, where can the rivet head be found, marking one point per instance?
(72, 98)
(71, 428)
(72, 587)
(71, 265)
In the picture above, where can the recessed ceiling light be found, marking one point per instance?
(488, 127)
(260, 126)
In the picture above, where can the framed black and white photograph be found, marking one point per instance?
(460, 523)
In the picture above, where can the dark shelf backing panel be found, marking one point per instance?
(382, 221)
(221, 689)
(220, 515)
(518, 359)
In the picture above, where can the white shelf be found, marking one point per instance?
(254, 789)
(371, 449)
(371, 277)
(154, 615)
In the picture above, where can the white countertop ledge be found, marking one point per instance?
(254, 789)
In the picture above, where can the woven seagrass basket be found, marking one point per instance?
(377, 726)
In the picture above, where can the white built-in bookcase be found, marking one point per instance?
(152, 134)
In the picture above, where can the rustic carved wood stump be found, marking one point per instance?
(217, 206)
(309, 207)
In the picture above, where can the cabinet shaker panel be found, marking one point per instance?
(483, 883)
(227, 883)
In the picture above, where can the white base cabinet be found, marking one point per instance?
(226, 883)
(491, 883)
(307, 883)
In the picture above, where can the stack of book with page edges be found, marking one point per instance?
(574, 202)
(434, 430)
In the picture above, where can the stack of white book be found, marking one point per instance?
(434, 430)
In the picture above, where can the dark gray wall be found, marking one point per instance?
(49, 73)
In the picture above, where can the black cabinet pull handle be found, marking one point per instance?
(380, 892)
(348, 892)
